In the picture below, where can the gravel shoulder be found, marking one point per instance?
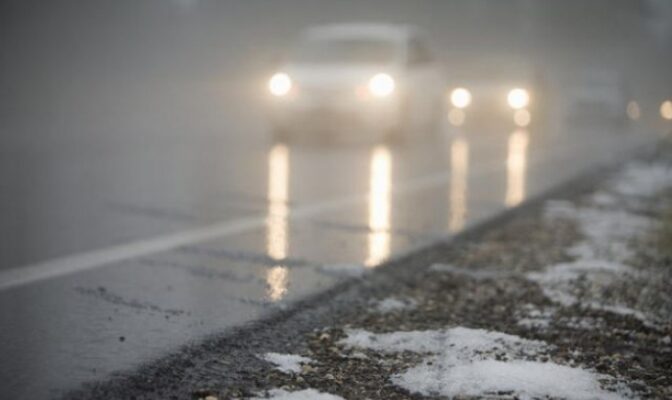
(568, 297)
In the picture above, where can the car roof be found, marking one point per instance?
(378, 31)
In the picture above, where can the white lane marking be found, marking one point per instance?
(85, 261)
(25, 275)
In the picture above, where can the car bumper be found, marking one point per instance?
(316, 117)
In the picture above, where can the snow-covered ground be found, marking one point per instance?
(286, 362)
(610, 230)
(392, 304)
(475, 362)
(468, 362)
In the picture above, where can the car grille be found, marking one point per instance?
(322, 95)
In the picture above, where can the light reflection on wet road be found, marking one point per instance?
(516, 168)
(459, 168)
(278, 213)
(380, 185)
(366, 202)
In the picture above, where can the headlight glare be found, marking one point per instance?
(280, 84)
(518, 98)
(666, 110)
(460, 97)
(381, 85)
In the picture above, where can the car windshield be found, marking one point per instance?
(336, 51)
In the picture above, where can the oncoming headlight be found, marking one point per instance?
(280, 84)
(460, 97)
(381, 85)
(518, 98)
(666, 110)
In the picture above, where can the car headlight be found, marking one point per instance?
(460, 97)
(280, 84)
(666, 110)
(518, 98)
(381, 85)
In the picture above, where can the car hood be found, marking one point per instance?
(334, 76)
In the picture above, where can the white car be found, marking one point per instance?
(350, 77)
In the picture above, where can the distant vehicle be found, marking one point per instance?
(354, 77)
(496, 90)
(597, 95)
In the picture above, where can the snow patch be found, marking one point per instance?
(559, 281)
(643, 179)
(604, 199)
(307, 394)
(463, 341)
(609, 232)
(286, 362)
(531, 317)
(476, 362)
(536, 323)
(623, 310)
(522, 379)
(358, 355)
(568, 272)
(392, 304)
